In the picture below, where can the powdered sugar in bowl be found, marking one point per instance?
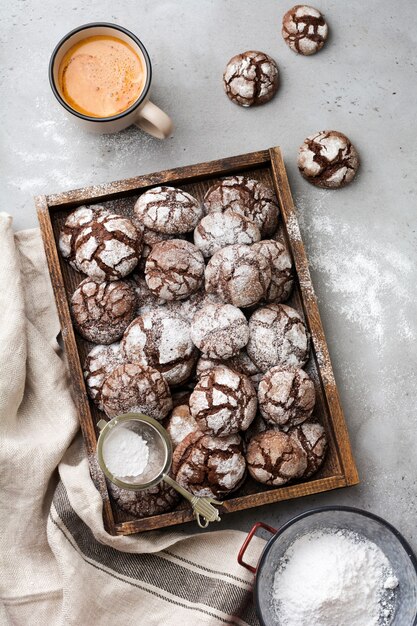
(335, 566)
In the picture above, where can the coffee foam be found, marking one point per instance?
(101, 76)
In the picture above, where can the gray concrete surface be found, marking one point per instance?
(361, 240)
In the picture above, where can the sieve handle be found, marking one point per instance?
(247, 541)
(203, 508)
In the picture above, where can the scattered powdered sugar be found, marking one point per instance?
(364, 275)
(293, 228)
(323, 361)
(125, 453)
(332, 577)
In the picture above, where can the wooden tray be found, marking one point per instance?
(339, 469)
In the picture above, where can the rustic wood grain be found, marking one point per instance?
(266, 166)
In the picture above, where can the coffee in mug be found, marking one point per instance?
(101, 75)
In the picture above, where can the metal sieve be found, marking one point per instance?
(159, 462)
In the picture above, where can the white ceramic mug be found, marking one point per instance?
(143, 112)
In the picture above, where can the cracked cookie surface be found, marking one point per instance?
(217, 230)
(277, 336)
(103, 310)
(223, 402)
(136, 388)
(180, 424)
(246, 196)
(146, 300)
(190, 306)
(174, 269)
(313, 439)
(275, 458)
(304, 29)
(238, 275)
(168, 210)
(279, 259)
(219, 330)
(150, 238)
(286, 396)
(251, 78)
(98, 365)
(328, 159)
(146, 502)
(240, 363)
(72, 226)
(209, 466)
(161, 340)
(107, 248)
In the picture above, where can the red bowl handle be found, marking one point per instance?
(247, 542)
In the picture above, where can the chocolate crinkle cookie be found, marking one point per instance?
(241, 363)
(136, 388)
(219, 330)
(246, 196)
(238, 275)
(107, 248)
(209, 466)
(161, 340)
(251, 78)
(279, 259)
(174, 269)
(146, 502)
(277, 336)
(204, 364)
(328, 159)
(146, 300)
(190, 306)
(217, 230)
(180, 424)
(99, 364)
(286, 396)
(223, 402)
(275, 458)
(150, 238)
(73, 224)
(168, 210)
(304, 29)
(312, 438)
(103, 310)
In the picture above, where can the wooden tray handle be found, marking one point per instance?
(247, 541)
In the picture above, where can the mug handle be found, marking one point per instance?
(154, 121)
(247, 541)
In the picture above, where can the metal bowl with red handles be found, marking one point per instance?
(374, 528)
